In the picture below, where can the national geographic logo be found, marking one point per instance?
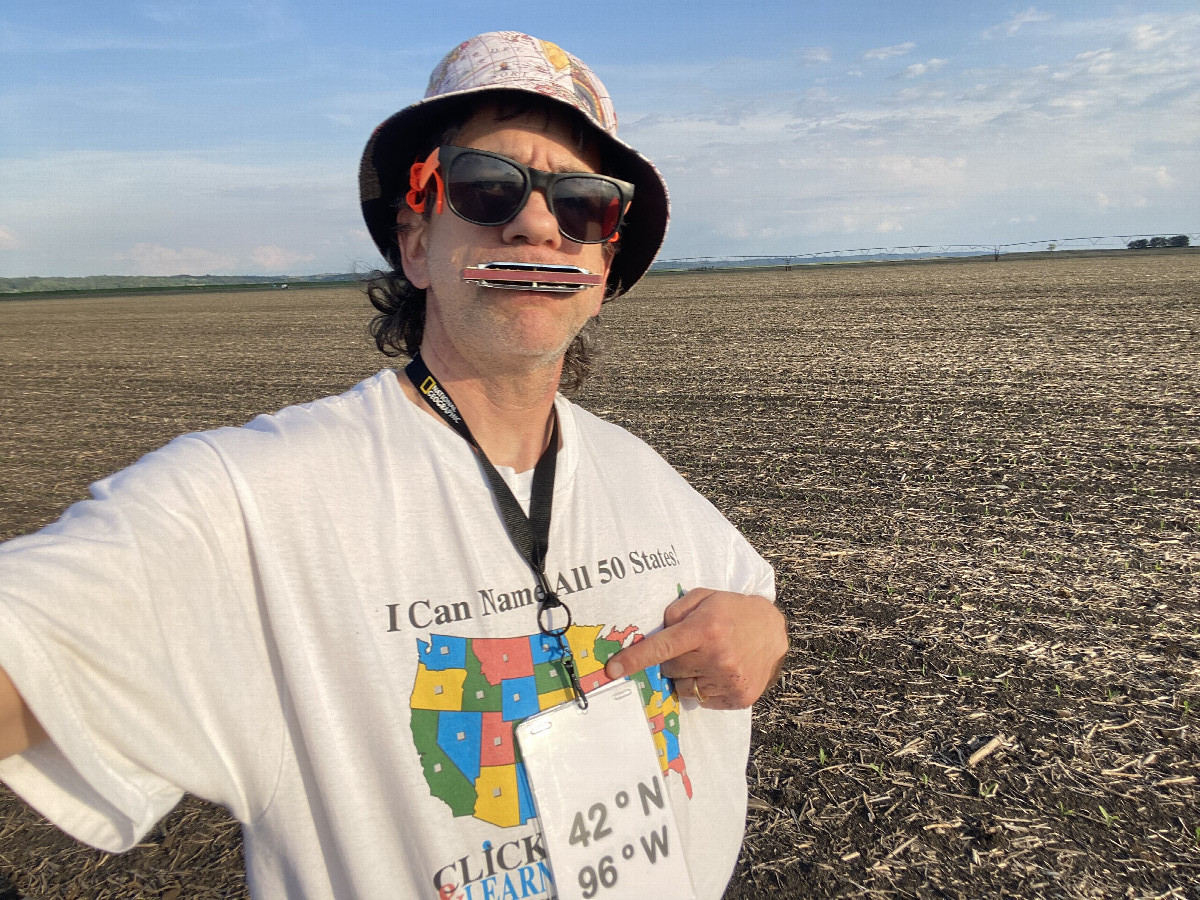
(430, 389)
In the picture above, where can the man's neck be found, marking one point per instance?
(508, 409)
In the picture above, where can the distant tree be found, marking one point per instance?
(1180, 240)
(1157, 243)
(1139, 244)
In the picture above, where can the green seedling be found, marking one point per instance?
(821, 756)
(1109, 818)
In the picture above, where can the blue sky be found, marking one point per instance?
(169, 137)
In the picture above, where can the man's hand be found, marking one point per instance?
(723, 647)
(19, 730)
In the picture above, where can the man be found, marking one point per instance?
(330, 620)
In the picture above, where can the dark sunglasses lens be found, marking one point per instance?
(587, 209)
(484, 190)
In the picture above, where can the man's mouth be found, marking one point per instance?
(517, 276)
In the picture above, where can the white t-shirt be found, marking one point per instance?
(319, 621)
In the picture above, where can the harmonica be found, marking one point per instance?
(516, 276)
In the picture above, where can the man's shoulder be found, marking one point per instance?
(619, 454)
(296, 437)
(593, 429)
(617, 465)
(338, 416)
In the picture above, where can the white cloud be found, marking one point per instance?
(220, 212)
(167, 13)
(918, 69)
(277, 259)
(1124, 198)
(889, 52)
(153, 259)
(1030, 16)
(762, 151)
(1147, 37)
(9, 240)
(1092, 138)
(923, 171)
(1157, 174)
(168, 25)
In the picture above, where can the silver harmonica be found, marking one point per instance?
(516, 276)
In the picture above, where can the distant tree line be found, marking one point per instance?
(154, 282)
(1156, 243)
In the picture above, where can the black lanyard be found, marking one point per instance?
(530, 534)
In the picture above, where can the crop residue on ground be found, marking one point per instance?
(979, 483)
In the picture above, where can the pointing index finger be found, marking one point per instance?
(672, 641)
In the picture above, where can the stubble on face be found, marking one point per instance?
(488, 327)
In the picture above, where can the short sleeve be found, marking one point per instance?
(132, 630)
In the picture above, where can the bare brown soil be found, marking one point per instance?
(979, 483)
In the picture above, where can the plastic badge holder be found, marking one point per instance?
(602, 801)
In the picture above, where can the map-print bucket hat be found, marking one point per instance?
(511, 61)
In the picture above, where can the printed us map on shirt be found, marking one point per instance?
(470, 692)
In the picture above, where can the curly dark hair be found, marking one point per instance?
(399, 325)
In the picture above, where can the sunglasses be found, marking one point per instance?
(489, 189)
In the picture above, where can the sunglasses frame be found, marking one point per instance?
(444, 156)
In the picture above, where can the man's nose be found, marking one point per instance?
(534, 224)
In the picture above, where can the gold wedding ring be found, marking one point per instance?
(696, 691)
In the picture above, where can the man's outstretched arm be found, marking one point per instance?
(19, 730)
(723, 647)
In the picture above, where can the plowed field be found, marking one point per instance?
(979, 483)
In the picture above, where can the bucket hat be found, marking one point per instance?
(511, 61)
